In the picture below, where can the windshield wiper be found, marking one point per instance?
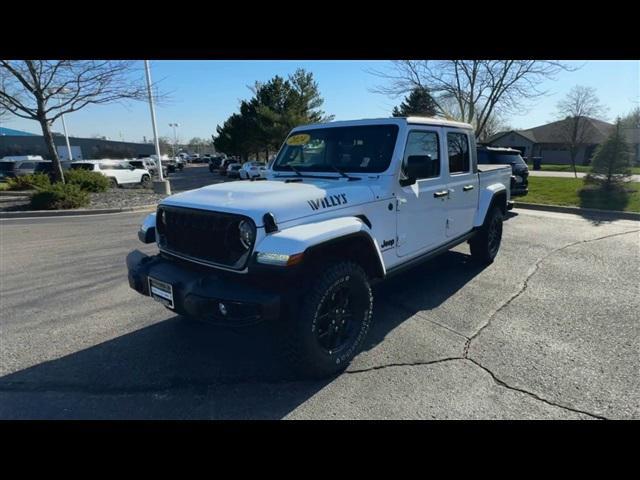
(342, 173)
(294, 169)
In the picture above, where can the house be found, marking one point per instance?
(546, 141)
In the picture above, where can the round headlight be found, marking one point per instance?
(247, 234)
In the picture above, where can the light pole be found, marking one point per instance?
(162, 186)
(64, 124)
(175, 138)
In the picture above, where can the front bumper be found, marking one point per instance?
(198, 292)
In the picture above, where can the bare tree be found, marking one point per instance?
(43, 90)
(574, 110)
(472, 91)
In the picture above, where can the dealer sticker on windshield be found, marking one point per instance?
(300, 139)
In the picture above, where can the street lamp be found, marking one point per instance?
(162, 186)
(64, 125)
(175, 137)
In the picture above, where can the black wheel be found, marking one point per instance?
(113, 182)
(486, 242)
(146, 181)
(325, 333)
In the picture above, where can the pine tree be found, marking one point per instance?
(611, 162)
(418, 102)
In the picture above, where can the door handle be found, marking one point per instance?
(466, 188)
(443, 193)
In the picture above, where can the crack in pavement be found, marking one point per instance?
(496, 380)
(532, 271)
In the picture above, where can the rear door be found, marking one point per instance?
(462, 182)
(421, 206)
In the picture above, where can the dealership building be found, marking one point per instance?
(16, 142)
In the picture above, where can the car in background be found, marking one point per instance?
(214, 163)
(11, 168)
(233, 170)
(119, 172)
(150, 165)
(507, 156)
(224, 165)
(46, 167)
(251, 170)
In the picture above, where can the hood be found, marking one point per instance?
(287, 201)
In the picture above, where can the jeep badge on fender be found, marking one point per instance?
(301, 249)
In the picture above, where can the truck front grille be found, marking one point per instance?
(203, 236)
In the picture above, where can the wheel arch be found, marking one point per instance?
(493, 195)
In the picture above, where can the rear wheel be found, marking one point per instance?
(332, 321)
(486, 242)
(145, 181)
(113, 182)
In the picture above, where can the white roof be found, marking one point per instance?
(441, 122)
(103, 160)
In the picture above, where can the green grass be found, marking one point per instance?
(572, 192)
(3, 186)
(568, 168)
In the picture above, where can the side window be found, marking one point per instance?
(458, 147)
(423, 151)
(27, 166)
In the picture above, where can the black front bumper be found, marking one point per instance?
(198, 292)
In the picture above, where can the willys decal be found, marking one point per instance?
(329, 201)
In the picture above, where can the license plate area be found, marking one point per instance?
(161, 292)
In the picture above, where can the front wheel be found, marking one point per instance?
(332, 322)
(145, 181)
(113, 183)
(486, 242)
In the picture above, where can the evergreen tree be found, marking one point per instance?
(611, 163)
(418, 102)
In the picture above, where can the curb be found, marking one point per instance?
(579, 211)
(75, 213)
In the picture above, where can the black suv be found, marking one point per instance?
(47, 167)
(507, 156)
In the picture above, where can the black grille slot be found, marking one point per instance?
(210, 237)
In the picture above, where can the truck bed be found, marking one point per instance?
(492, 174)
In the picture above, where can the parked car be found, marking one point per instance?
(46, 167)
(507, 156)
(118, 171)
(17, 168)
(233, 170)
(251, 170)
(224, 165)
(150, 165)
(302, 250)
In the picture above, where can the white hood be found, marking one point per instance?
(287, 201)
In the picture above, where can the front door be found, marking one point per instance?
(422, 206)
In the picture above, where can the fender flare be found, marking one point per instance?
(305, 237)
(487, 196)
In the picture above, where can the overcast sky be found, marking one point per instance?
(205, 93)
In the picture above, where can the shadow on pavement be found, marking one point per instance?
(185, 369)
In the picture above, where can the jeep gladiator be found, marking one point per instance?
(345, 205)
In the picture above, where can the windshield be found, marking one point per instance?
(366, 149)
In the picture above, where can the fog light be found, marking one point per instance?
(223, 309)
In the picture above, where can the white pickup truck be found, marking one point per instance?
(346, 204)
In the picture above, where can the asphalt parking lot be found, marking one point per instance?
(549, 331)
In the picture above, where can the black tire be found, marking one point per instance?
(486, 242)
(113, 182)
(327, 330)
(145, 181)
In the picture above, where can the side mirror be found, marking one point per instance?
(131, 167)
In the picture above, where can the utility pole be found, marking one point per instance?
(161, 186)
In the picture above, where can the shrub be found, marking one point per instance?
(86, 180)
(59, 196)
(29, 182)
(611, 163)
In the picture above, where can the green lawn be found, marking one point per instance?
(568, 168)
(3, 186)
(571, 192)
